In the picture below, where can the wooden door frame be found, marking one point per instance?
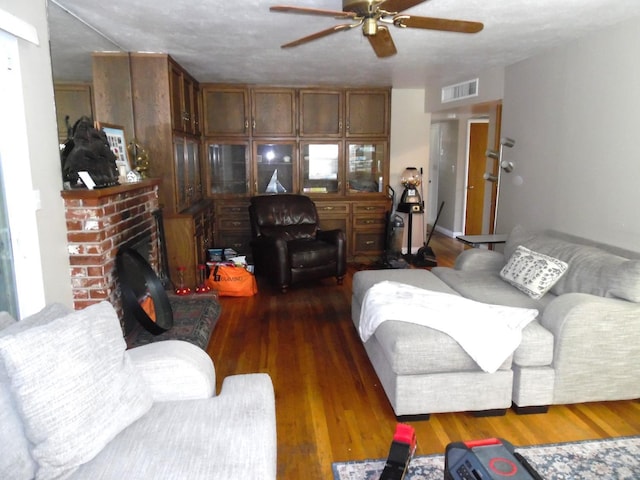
(466, 166)
(494, 171)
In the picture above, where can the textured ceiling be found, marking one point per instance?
(239, 41)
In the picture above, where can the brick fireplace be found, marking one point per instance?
(99, 223)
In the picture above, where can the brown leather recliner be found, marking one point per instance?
(287, 243)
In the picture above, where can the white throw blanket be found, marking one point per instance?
(488, 333)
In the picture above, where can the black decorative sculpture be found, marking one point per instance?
(88, 150)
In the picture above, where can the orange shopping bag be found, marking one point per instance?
(232, 281)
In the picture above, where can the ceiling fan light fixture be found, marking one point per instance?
(369, 27)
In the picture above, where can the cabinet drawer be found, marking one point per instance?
(368, 221)
(332, 208)
(234, 223)
(226, 209)
(370, 208)
(367, 242)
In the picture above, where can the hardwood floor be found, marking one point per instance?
(329, 403)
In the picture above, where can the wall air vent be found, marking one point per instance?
(459, 91)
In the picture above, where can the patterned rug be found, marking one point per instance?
(610, 459)
(194, 318)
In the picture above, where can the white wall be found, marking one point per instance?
(410, 127)
(45, 179)
(490, 89)
(573, 113)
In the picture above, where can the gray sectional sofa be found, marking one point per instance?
(75, 404)
(584, 345)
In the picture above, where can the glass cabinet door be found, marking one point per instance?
(181, 175)
(227, 171)
(365, 167)
(321, 167)
(275, 164)
(194, 185)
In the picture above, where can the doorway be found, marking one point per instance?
(477, 140)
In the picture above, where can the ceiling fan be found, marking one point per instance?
(374, 16)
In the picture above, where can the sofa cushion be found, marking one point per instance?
(536, 347)
(531, 272)
(591, 269)
(74, 386)
(416, 350)
(488, 287)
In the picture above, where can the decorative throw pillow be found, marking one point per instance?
(74, 386)
(531, 272)
(15, 456)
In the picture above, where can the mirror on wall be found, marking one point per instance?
(72, 41)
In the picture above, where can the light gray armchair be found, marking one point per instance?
(75, 404)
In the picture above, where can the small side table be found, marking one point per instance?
(476, 240)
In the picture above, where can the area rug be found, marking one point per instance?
(194, 319)
(610, 459)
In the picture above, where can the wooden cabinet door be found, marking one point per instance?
(321, 113)
(192, 170)
(196, 110)
(188, 99)
(177, 102)
(181, 181)
(226, 111)
(273, 112)
(367, 113)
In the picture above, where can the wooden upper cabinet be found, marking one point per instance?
(226, 111)
(321, 113)
(273, 112)
(184, 111)
(175, 83)
(368, 113)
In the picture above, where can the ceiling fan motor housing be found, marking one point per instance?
(361, 7)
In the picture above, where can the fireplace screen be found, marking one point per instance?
(143, 296)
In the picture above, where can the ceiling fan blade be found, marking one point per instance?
(312, 11)
(382, 43)
(444, 24)
(399, 5)
(317, 35)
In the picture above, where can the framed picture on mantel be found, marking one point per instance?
(115, 137)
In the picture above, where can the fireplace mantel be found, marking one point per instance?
(84, 193)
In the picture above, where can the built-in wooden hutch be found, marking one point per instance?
(213, 146)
